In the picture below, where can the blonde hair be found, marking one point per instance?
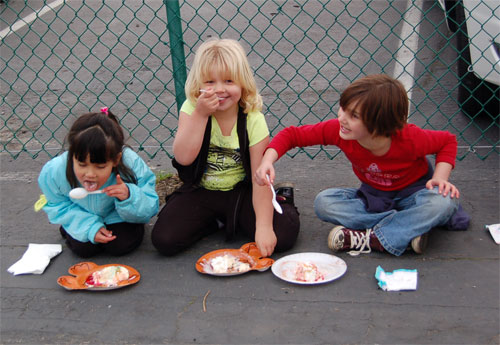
(227, 57)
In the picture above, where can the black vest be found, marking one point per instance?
(191, 174)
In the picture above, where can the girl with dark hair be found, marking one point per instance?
(97, 159)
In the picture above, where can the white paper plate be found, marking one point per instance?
(330, 266)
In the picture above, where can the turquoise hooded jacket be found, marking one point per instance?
(82, 218)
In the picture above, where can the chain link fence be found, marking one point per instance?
(60, 59)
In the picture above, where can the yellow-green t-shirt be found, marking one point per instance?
(224, 163)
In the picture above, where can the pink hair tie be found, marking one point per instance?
(105, 111)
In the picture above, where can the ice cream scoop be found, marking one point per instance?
(80, 193)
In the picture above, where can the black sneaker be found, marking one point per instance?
(284, 193)
(358, 241)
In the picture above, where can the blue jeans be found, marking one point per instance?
(412, 216)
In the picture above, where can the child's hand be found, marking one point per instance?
(265, 168)
(444, 187)
(207, 103)
(266, 240)
(104, 236)
(118, 190)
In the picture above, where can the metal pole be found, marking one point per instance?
(176, 49)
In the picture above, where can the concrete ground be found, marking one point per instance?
(457, 300)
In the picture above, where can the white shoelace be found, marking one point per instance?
(361, 242)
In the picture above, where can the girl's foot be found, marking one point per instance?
(419, 243)
(284, 193)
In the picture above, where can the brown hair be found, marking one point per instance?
(100, 136)
(382, 102)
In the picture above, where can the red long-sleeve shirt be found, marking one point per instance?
(403, 164)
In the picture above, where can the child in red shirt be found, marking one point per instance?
(401, 198)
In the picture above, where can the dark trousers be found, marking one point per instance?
(189, 216)
(128, 237)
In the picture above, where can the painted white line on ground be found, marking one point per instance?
(28, 19)
(404, 69)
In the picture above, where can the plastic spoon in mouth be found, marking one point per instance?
(80, 193)
(276, 205)
(203, 90)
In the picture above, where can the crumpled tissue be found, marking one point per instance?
(494, 231)
(35, 259)
(397, 280)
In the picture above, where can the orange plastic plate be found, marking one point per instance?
(248, 253)
(80, 272)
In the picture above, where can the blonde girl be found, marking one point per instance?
(220, 140)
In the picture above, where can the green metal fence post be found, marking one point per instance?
(176, 48)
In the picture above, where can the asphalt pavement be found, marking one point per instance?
(456, 301)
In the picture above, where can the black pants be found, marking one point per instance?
(128, 237)
(189, 216)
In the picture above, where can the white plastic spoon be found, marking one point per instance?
(276, 205)
(203, 90)
(80, 193)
